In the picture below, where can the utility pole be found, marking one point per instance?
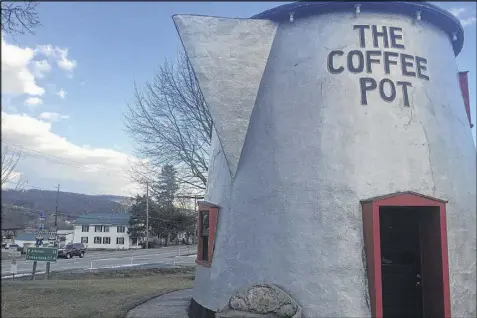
(56, 210)
(147, 215)
(47, 276)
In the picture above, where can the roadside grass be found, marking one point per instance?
(107, 293)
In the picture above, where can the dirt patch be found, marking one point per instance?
(90, 294)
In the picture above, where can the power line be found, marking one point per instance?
(28, 185)
(58, 160)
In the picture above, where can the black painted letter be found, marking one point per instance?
(361, 28)
(331, 68)
(366, 84)
(405, 64)
(405, 93)
(351, 66)
(396, 36)
(370, 60)
(421, 66)
(383, 34)
(388, 62)
(391, 97)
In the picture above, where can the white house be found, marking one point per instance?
(104, 231)
(65, 237)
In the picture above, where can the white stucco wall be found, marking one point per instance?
(113, 234)
(292, 214)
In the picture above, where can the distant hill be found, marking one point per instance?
(21, 208)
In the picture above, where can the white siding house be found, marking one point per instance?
(65, 237)
(103, 231)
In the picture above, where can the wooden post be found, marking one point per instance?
(34, 270)
(47, 276)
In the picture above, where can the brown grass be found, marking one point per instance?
(97, 294)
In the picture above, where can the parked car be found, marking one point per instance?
(70, 250)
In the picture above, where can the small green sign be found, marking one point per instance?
(42, 254)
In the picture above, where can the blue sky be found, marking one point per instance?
(96, 51)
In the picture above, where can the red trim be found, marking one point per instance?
(464, 88)
(372, 240)
(202, 263)
(213, 215)
(445, 262)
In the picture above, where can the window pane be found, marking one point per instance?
(205, 248)
(97, 240)
(204, 222)
(105, 228)
(98, 228)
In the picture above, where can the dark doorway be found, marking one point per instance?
(401, 261)
(405, 240)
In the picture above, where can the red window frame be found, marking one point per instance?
(212, 210)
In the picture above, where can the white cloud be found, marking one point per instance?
(40, 68)
(34, 101)
(52, 117)
(103, 170)
(62, 94)
(457, 11)
(463, 14)
(468, 21)
(60, 55)
(20, 72)
(16, 77)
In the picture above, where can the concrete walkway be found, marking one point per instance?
(172, 305)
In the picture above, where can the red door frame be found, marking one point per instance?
(372, 241)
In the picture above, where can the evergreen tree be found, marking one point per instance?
(166, 187)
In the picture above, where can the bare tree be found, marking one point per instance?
(10, 159)
(171, 125)
(19, 17)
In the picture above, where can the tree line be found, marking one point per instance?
(167, 216)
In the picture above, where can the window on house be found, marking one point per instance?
(134, 241)
(105, 228)
(98, 228)
(97, 240)
(121, 229)
(85, 228)
(84, 239)
(120, 240)
(206, 232)
(106, 240)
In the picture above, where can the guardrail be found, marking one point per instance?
(180, 251)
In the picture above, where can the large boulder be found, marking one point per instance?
(260, 301)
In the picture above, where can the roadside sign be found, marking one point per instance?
(42, 215)
(40, 235)
(52, 236)
(14, 268)
(42, 254)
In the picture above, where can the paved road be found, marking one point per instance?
(165, 256)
